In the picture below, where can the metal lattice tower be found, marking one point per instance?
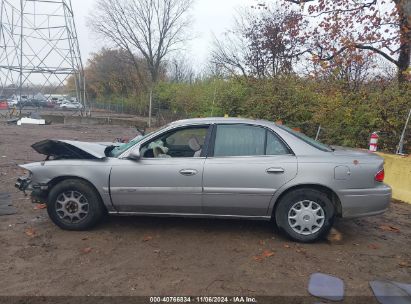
(39, 49)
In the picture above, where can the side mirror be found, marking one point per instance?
(135, 155)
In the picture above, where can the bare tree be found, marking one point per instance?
(229, 54)
(152, 28)
(180, 70)
(262, 44)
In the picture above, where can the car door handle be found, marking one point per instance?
(274, 170)
(188, 172)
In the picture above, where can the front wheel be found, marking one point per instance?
(305, 215)
(74, 205)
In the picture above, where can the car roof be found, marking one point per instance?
(228, 120)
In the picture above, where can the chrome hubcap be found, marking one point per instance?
(72, 207)
(306, 217)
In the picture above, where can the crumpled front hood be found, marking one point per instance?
(67, 149)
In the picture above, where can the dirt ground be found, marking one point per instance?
(173, 256)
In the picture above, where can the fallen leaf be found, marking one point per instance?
(334, 236)
(373, 246)
(157, 251)
(262, 242)
(389, 228)
(267, 253)
(86, 250)
(147, 238)
(286, 246)
(404, 264)
(30, 232)
(258, 258)
(40, 206)
(300, 250)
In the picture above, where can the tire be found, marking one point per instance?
(74, 205)
(308, 207)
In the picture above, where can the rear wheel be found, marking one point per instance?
(305, 215)
(74, 205)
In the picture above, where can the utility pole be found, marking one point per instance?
(150, 108)
(400, 149)
(318, 133)
(21, 51)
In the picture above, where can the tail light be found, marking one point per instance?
(379, 177)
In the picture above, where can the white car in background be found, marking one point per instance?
(71, 106)
(12, 103)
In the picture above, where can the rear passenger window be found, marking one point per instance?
(239, 140)
(274, 145)
(245, 140)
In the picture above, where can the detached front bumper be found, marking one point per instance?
(365, 202)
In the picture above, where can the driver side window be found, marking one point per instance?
(184, 142)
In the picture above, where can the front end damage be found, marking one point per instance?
(23, 183)
(55, 150)
(38, 193)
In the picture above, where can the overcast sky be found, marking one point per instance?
(211, 17)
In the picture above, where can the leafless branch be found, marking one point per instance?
(361, 47)
(151, 28)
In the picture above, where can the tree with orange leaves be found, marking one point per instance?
(380, 26)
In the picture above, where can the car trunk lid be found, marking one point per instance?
(344, 151)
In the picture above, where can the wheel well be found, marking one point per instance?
(59, 179)
(329, 192)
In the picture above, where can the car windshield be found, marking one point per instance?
(307, 139)
(117, 151)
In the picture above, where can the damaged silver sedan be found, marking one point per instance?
(221, 168)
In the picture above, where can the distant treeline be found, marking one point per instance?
(347, 117)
